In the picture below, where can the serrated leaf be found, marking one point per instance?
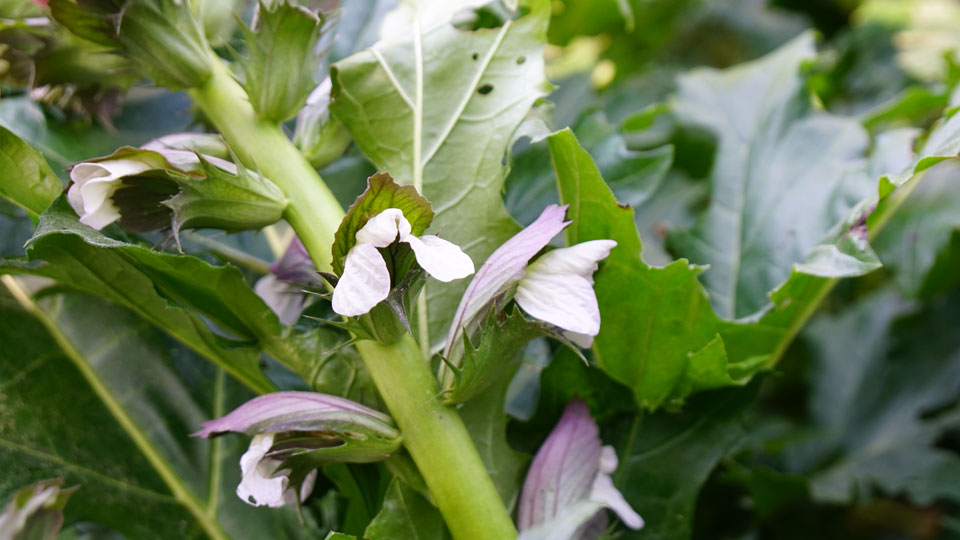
(448, 132)
(28, 180)
(783, 176)
(884, 391)
(658, 333)
(282, 62)
(493, 349)
(406, 514)
(91, 363)
(381, 193)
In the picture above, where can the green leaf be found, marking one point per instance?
(437, 111)
(158, 286)
(783, 176)
(668, 458)
(884, 391)
(486, 421)
(29, 182)
(279, 72)
(634, 176)
(920, 243)
(494, 349)
(83, 362)
(406, 514)
(843, 252)
(659, 335)
(381, 193)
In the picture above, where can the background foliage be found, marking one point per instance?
(752, 136)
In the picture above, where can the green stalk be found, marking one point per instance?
(438, 441)
(313, 210)
(433, 433)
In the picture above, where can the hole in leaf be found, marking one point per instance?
(521, 60)
(485, 89)
(475, 56)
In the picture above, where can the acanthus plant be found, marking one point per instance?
(370, 375)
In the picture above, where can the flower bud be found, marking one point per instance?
(163, 37)
(320, 136)
(283, 60)
(296, 432)
(35, 512)
(152, 189)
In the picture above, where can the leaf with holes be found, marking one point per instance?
(437, 111)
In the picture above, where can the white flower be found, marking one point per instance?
(261, 484)
(558, 289)
(366, 280)
(93, 186)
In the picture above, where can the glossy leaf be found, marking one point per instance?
(158, 285)
(658, 333)
(447, 134)
(28, 180)
(91, 363)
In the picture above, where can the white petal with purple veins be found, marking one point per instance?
(566, 301)
(443, 260)
(364, 284)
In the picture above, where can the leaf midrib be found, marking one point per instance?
(163, 469)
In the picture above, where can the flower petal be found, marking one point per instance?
(295, 265)
(566, 301)
(443, 260)
(564, 469)
(257, 488)
(94, 184)
(605, 492)
(365, 281)
(382, 229)
(285, 299)
(580, 259)
(297, 411)
(503, 268)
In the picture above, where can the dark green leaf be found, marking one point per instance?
(381, 193)
(666, 461)
(90, 363)
(884, 391)
(407, 515)
(157, 285)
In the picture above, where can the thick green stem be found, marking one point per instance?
(438, 441)
(432, 432)
(313, 210)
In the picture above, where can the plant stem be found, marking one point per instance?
(438, 441)
(433, 433)
(313, 211)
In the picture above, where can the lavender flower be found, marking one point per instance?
(295, 432)
(282, 288)
(569, 483)
(556, 288)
